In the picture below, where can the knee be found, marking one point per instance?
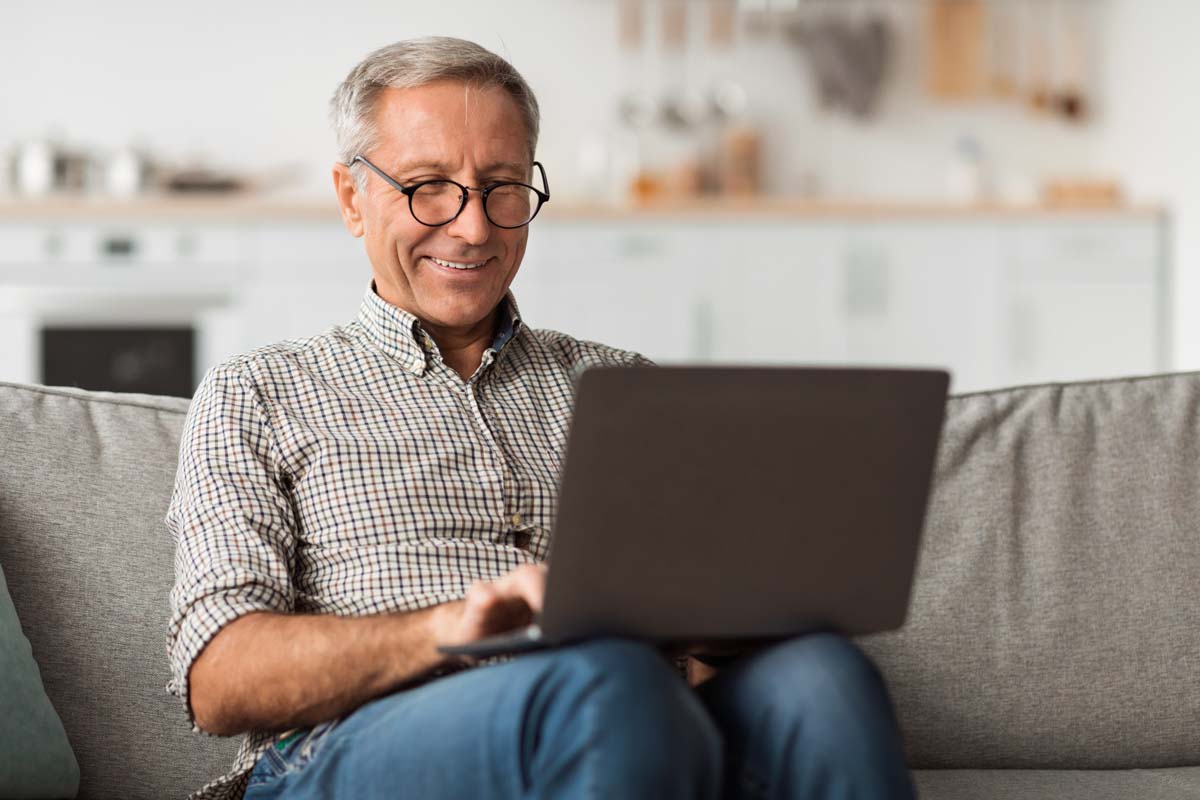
(636, 696)
(628, 679)
(620, 664)
(817, 706)
(824, 679)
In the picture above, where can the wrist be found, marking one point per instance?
(443, 624)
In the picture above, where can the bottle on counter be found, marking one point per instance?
(967, 180)
(33, 168)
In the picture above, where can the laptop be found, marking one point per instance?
(722, 505)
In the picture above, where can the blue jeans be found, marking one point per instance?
(611, 718)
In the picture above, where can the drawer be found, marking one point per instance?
(1086, 242)
(22, 244)
(117, 243)
(310, 252)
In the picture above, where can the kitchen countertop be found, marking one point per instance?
(233, 208)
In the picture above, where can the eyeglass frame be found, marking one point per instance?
(484, 191)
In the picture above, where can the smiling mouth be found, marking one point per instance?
(458, 265)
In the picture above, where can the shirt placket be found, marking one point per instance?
(515, 520)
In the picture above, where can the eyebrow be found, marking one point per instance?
(439, 166)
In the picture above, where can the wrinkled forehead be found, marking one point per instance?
(435, 123)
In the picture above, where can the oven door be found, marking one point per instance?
(151, 341)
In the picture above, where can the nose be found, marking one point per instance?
(471, 226)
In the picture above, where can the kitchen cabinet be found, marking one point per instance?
(924, 293)
(627, 286)
(769, 293)
(746, 292)
(1083, 300)
(1000, 299)
(308, 278)
(997, 300)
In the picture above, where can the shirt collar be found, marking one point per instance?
(509, 324)
(400, 336)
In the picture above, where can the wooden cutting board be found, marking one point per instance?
(956, 48)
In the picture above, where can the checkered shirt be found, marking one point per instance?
(355, 473)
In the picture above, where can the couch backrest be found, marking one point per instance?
(85, 478)
(1055, 621)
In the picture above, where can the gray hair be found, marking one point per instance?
(416, 62)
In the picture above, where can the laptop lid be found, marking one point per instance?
(716, 503)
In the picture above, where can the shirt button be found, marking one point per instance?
(516, 519)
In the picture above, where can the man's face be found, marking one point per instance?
(441, 130)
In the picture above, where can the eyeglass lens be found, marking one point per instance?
(508, 205)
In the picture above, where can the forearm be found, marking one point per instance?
(268, 671)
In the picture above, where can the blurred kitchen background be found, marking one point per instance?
(1009, 188)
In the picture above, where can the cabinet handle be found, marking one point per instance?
(1022, 332)
(118, 247)
(54, 244)
(867, 285)
(703, 330)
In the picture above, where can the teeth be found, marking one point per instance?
(457, 265)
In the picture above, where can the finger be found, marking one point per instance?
(508, 614)
(529, 583)
(481, 596)
(506, 603)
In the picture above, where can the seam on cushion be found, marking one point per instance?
(1095, 382)
(90, 397)
(1160, 775)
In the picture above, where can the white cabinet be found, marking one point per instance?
(770, 293)
(689, 291)
(631, 286)
(1083, 300)
(1000, 300)
(924, 293)
(309, 277)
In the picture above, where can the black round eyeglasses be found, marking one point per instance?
(506, 204)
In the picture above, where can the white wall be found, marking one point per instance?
(246, 84)
(1151, 134)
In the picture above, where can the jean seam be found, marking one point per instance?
(753, 781)
(277, 766)
(591, 787)
(307, 748)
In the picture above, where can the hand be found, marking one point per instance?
(492, 607)
(720, 654)
(698, 672)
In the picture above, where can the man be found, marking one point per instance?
(349, 502)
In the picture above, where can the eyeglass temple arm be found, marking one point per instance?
(403, 190)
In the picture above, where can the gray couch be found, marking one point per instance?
(1052, 649)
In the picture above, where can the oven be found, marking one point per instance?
(118, 306)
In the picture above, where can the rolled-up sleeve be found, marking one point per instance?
(231, 518)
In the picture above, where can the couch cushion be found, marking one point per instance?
(1055, 620)
(35, 756)
(1026, 784)
(85, 480)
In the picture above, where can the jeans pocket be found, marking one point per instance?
(276, 762)
(269, 768)
(303, 750)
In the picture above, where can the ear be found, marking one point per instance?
(348, 199)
